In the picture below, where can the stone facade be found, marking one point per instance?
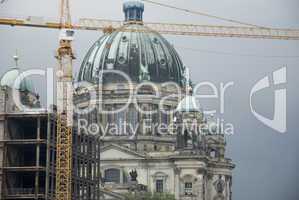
(186, 161)
(191, 168)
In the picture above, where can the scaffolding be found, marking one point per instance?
(28, 159)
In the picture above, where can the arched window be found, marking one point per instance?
(213, 153)
(186, 138)
(112, 176)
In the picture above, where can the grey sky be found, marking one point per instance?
(267, 161)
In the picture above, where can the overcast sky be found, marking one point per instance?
(266, 161)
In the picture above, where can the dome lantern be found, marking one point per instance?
(133, 11)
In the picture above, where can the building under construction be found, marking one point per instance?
(27, 149)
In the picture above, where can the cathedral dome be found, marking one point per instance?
(8, 79)
(141, 53)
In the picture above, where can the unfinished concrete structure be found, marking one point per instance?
(27, 149)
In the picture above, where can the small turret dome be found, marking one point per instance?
(8, 80)
(189, 104)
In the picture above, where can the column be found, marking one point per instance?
(37, 158)
(177, 187)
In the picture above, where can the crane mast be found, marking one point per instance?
(64, 106)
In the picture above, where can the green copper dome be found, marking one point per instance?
(8, 79)
(144, 55)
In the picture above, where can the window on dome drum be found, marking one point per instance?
(145, 147)
(147, 122)
(188, 188)
(120, 119)
(110, 120)
(213, 153)
(159, 186)
(167, 148)
(164, 122)
(116, 120)
(112, 176)
(132, 120)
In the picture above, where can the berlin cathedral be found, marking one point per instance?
(182, 158)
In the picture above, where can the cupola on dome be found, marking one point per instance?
(133, 10)
(141, 53)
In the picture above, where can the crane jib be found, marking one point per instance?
(168, 28)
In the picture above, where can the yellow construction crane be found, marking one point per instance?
(64, 104)
(165, 28)
(243, 30)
